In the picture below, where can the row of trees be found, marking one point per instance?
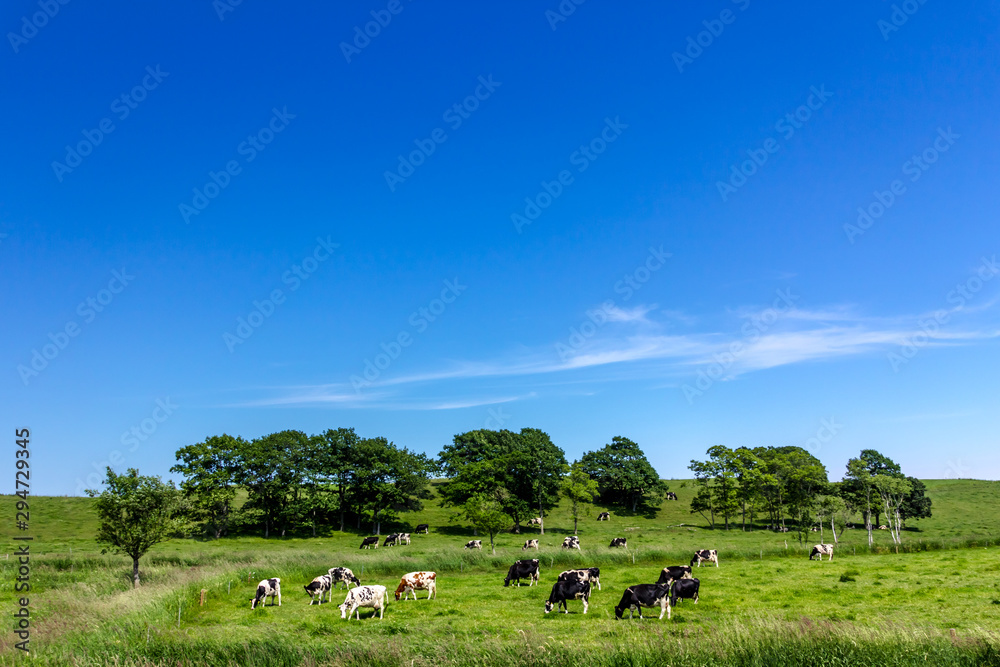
(789, 483)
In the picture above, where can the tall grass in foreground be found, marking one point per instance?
(750, 642)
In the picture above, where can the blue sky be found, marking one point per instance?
(631, 220)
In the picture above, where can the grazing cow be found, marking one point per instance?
(684, 588)
(267, 588)
(604, 516)
(370, 542)
(319, 587)
(822, 550)
(391, 540)
(571, 542)
(364, 596)
(591, 574)
(705, 556)
(342, 575)
(530, 544)
(671, 495)
(814, 529)
(523, 569)
(422, 528)
(404, 538)
(673, 573)
(618, 542)
(537, 521)
(474, 544)
(883, 527)
(568, 590)
(417, 581)
(644, 595)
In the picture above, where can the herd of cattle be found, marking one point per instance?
(674, 584)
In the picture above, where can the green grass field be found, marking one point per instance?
(937, 602)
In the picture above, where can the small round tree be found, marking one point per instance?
(135, 513)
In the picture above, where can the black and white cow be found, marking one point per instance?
(571, 542)
(530, 544)
(319, 587)
(684, 588)
(474, 544)
(604, 516)
(369, 542)
(644, 595)
(537, 521)
(568, 590)
(705, 556)
(591, 574)
(883, 527)
(342, 575)
(673, 573)
(618, 542)
(523, 569)
(364, 596)
(391, 540)
(267, 588)
(422, 528)
(822, 550)
(404, 538)
(671, 495)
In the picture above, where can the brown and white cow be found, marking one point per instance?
(822, 550)
(417, 581)
(530, 544)
(705, 556)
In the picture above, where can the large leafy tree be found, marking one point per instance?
(388, 480)
(210, 470)
(916, 505)
(336, 463)
(579, 489)
(624, 476)
(269, 468)
(135, 512)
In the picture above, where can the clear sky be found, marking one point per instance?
(737, 223)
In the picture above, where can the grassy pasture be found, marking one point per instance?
(764, 604)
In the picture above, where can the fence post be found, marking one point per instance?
(201, 603)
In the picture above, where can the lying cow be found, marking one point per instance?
(422, 528)
(369, 542)
(319, 587)
(474, 544)
(572, 542)
(822, 550)
(568, 590)
(523, 569)
(391, 540)
(673, 573)
(591, 574)
(342, 575)
(883, 527)
(618, 542)
(684, 588)
(705, 556)
(417, 581)
(267, 588)
(364, 596)
(604, 516)
(530, 544)
(644, 595)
